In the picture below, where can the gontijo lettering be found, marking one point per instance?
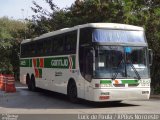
(59, 62)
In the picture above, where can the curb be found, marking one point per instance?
(155, 96)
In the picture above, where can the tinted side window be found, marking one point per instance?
(26, 50)
(47, 46)
(71, 42)
(32, 49)
(22, 50)
(85, 36)
(39, 48)
(58, 43)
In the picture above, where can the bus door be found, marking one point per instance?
(87, 69)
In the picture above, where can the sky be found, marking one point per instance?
(21, 9)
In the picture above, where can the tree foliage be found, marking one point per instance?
(11, 34)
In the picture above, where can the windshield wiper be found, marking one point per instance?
(136, 72)
(116, 73)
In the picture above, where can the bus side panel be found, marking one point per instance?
(80, 86)
(46, 78)
(56, 79)
(23, 72)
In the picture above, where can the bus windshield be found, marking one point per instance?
(121, 62)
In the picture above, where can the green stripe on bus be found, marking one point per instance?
(30, 62)
(37, 62)
(40, 73)
(105, 81)
(129, 81)
(24, 62)
(59, 62)
(74, 63)
(123, 81)
(67, 62)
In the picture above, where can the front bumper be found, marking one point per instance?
(119, 94)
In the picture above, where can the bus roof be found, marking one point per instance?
(92, 25)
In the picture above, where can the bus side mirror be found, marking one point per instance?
(150, 53)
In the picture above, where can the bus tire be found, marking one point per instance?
(72, 91)
(28, 82)
(33, 83)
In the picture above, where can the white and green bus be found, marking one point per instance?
(96, 62)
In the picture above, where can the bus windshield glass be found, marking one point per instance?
(103, 35)
(121, 62)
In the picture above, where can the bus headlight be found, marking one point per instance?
(145, 82)
(106, 85)
(102, 85)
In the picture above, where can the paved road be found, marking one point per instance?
(45, 102)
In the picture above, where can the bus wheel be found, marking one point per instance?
(28, 81)
(33, 83)
(72, 92)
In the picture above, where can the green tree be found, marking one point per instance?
(11, 34)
